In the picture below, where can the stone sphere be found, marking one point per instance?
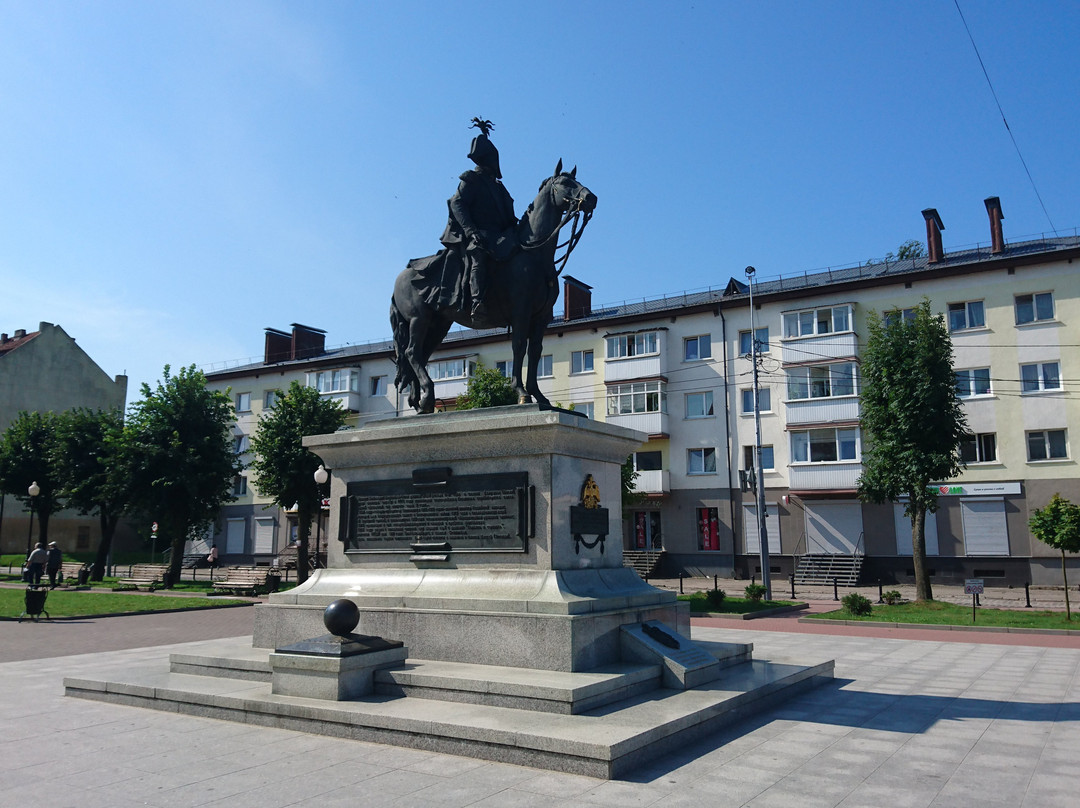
(341, 617)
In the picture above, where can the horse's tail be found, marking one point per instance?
(400, 326)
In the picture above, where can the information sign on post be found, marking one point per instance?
(973, 587)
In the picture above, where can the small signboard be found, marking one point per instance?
(973, 586)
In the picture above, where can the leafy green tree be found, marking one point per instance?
(628, 479)
(284, 469)
(1058, 525)
(27, 455)
(179, 458)
(90, 456)
(487, 388)
(912, 420)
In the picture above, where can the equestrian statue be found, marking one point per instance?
(494, 271)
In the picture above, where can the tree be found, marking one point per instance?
(90, 456)
(27, 455)
(487, 388)
(284, 469)
(179, 459)
(912, 420)
(1058, 525)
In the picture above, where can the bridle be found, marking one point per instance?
(574, 214)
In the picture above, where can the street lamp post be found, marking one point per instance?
(321, 476)
(33, 491)
(764, 544)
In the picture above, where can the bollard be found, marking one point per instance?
(715, 582)
(836, 589)
(792, 579)
(680, 583)
(1027, 594)
(880, 595)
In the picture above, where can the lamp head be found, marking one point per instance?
(750, 272)
(34, 489)
(321, 475)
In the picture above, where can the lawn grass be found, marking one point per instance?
(938, 613)
(63, 603)
(730, 605)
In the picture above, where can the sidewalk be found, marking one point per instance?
(907, 723)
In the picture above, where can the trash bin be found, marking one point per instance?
(35, 602)
(84, 575)
(273, 581)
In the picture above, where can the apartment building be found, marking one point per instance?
(678, 369)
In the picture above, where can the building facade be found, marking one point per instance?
(679, 370)
(46, 371)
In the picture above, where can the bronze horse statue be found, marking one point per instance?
(521, 296)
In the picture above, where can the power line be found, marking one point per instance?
(1002, 112)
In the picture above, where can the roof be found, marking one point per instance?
(734, 292)
(9, 344)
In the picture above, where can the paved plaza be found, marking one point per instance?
(913, 719)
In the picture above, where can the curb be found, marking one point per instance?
(944, 627)
(122, 614)
(796, 607)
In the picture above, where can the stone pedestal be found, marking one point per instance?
(513, 578)
(333, 668)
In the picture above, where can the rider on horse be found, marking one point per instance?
(481, 225)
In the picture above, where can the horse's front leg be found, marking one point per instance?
(414, 355)
(536, 347)
(518, 342)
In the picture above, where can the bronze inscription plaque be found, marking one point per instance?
(470, 513)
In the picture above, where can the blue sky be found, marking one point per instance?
(177, 176)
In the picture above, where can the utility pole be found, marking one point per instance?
(766, 581)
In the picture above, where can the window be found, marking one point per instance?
(335, 381)
(378, 385)
(648, 461)
(243, 402)
(981, 448)
(239, 486)
(893, 316)
(745, 345)
(505, 368)
(82, 538)
(701, 461)
(628, 345)
(586, 408)
(581, 362)
(1047, 445)
(764, 400)
(767, 462)
(824, 445)
(696, 348)
(451, 369)
(973, 382)
(626, 399)
(543, 367)
(1033, 308)
(708, 524)
(270, 398)
(240, 444)
(699, 405)
(1043, 376)
(966, 315)
(821, 381)
(817, 321)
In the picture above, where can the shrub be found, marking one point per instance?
(856, 604)
(892, 597)
(754, 591)
(714, 597)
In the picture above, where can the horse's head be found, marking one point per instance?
(567, 193)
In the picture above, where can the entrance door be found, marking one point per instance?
(833, 527)
(902, 523)
(647, 533)
(752, 529)
(985, 531)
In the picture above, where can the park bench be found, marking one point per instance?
(145, 576)
(70, 570)
(248, 579)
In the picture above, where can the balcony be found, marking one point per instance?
(823, 410)
(824, 476)
(450, 388)
(653, 482)
(651, 423)
(799, 350)
(349, 401)
(641, 367)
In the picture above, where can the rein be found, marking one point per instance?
(570, 243)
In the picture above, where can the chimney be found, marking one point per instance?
(278, 346)
(20, 333)
(577, 298)
(997, 237)
(933, 235)
(307, 341)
